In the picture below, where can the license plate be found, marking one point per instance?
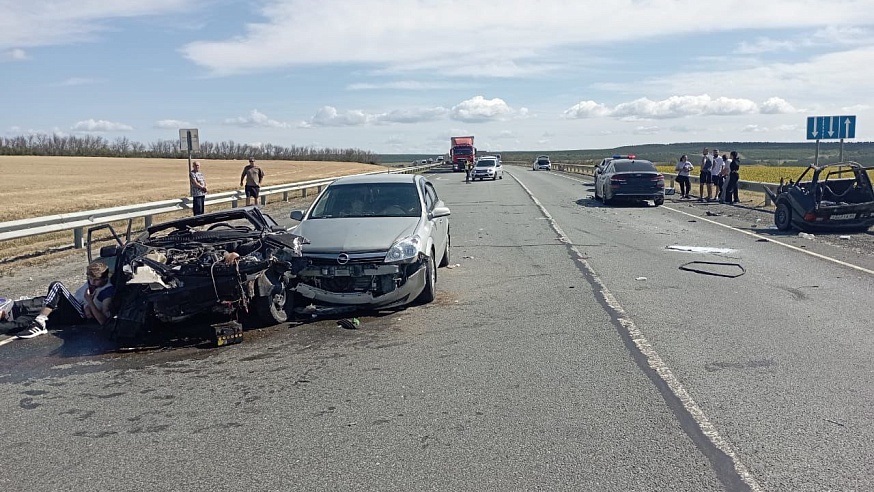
(843, 216)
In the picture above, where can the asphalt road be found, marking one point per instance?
(566, 351)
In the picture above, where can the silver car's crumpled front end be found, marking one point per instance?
(363, 280)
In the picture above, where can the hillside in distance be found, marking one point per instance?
(764, 153)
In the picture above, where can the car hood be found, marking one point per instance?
(354, 234)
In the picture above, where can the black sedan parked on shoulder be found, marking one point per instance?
(629, 179)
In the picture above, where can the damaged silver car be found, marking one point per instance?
(373, 241)
(233, 262)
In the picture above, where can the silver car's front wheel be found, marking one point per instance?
(429, 293)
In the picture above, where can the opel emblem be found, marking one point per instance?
(343, 258)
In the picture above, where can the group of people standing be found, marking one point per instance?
(718, 174)
(252, 175)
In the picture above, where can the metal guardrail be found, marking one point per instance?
(79, 221)
(589, 170)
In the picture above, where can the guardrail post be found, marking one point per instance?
(78, 238)
(767, 198)
(147, 221)
(263, 200)
(284, 196)
(234, 203)
(303, 192)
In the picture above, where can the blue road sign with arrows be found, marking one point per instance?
(831, 127)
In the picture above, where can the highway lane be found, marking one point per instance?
(778, 359)
(523, 374)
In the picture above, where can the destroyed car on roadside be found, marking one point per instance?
(835, 197)
(236, 263)
(373, 242)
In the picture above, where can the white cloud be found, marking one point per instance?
(292, 32)
(329, 116)
(586, 109)
(478, 109)
(776, 105)
(98, 126)
(16, 54)
(256, 119)
(45, 23)
(172, 124)
(674, 107)
(786, 128)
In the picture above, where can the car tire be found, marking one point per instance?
(444, 262)
(607, 201)
(429, 293)
(783, 217)
(597, 196)
(659, 201)
(494, 177)
(273, 308)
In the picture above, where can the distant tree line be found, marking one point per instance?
(96, 146)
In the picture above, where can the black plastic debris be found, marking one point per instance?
(715, 268)
(349, 324)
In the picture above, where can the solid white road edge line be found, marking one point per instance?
(759, 236)
(653, 358)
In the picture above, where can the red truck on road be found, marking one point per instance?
(460, 151)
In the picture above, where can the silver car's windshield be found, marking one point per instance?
(368, 200)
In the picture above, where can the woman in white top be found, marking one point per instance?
(684, 167)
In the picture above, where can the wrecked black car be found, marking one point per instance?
(836, 197)
(236, 263)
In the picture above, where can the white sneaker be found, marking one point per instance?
(35, 330)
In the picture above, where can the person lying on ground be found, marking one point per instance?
(91, 301)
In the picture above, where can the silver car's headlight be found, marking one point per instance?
(404, 250)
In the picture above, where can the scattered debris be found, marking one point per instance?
(844, 237)
(701, 249)
(642, 279)
(468, 257)
(761, 240)
(806, 235)
(712, 214)
(715, 268)
(758, 220)
(349, 324)
(454, 265)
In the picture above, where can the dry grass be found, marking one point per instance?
(38, 186)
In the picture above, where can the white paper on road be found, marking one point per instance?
(701, 249)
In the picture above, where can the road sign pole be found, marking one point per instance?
(842, 151)
(816, 157)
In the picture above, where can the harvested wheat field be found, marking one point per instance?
(39, 186)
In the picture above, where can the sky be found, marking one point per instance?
(402, 76)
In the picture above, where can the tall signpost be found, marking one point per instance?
(830, 127)
(189, 140)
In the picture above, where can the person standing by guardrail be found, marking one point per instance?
(253, 176)
(684, 168)
(705, 178)
(198, 188)
(718, 178)
(731, 195)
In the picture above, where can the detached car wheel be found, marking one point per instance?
(271, 309)
(783, 217)
(429, 293)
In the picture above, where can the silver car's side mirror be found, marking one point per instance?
(296, 215)
(440, 211)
